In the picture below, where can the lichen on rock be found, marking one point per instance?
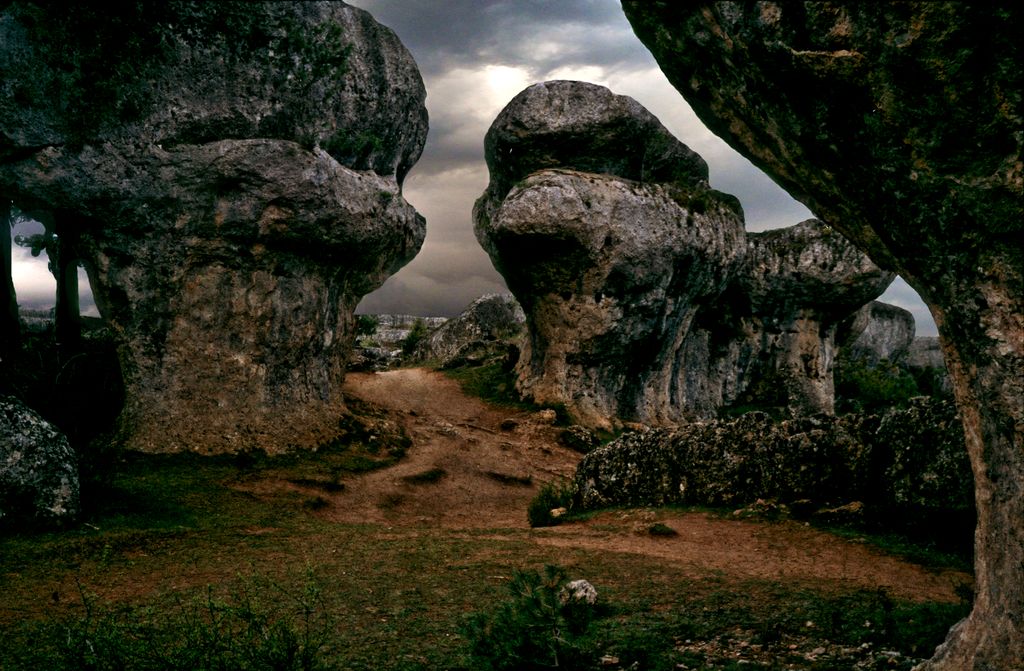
(39, 485)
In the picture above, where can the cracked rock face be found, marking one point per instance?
(609, 270)
(38, 470)
(232, 217)
(900, 124)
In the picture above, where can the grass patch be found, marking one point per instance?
(493, 382)
(258, 624)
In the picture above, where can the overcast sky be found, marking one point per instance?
(475, 56)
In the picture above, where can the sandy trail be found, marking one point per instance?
(491, 473)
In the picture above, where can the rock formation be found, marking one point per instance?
(906, 464)
(879, 331)
(605, 229)
(484, 330)
(231, 180)
(770, 339)
(901, 126)
(38, 470)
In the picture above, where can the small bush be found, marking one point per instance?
(863, 388)
(552, 495)
(537, 628)
(417, 334)
(659, 529)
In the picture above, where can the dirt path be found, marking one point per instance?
(490, 463)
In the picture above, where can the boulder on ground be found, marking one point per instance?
(483, 331)
(38, 470)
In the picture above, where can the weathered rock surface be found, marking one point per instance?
(622, 281)
(901, 126)
(770, 339)
(880, 331)
(908, 460)
(232, 200)
(38, 470)
(609, 270)
(484, 330)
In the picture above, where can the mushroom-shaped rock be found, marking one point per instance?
(38, 470)
(232, 192)
(570, 124)
(901, 125)
(770, 338)
(609, 270)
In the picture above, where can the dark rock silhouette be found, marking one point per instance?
(38, 470)
(901, 126)
(233, 194)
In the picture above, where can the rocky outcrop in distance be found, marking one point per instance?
(908, 463)
(39, 485)
(901, 126)
(645, 299)
(879, 331)
(232, 182)
(486, 330)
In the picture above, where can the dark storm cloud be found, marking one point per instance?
(475, 56)
(445, 34)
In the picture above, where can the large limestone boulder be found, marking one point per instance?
(900, 125)
(233, 193)
(880, 331)
(38, 470)
(609, 263)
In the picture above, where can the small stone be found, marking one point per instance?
(579, 591)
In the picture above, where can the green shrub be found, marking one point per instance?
(417, 334)
(863, 388)
(537, 628)
(552, 495)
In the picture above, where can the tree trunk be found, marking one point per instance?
(67, 327)
(10, 326)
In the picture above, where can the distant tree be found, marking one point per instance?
(366, 325)
(417, 334)
(58, 241)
